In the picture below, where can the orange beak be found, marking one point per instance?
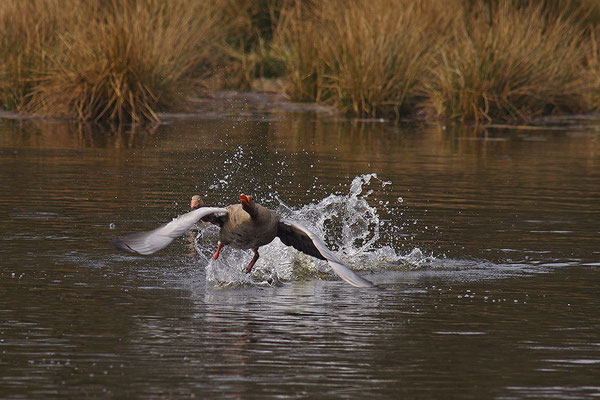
(244, 199)
(194, 204)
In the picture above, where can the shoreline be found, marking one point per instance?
(267, 104)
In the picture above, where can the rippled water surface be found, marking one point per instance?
(486, 243)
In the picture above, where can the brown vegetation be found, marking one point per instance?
(369, 59)
(508, 63)
(102, 60)
(479, 60)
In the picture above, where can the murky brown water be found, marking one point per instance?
(501, 299)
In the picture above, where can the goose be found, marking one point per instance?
(196, 202)
(247, 225)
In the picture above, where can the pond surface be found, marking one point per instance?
(486, 242)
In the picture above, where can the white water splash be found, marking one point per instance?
(350, 226)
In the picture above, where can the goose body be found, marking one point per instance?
(242, 231)
(244, 226)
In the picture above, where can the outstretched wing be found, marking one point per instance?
(295, 235)
(149, 242)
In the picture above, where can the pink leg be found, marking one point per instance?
(218, 251)
(249, 267)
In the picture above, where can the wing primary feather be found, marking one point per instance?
(296, 235)
(291, 235)
(149, 242)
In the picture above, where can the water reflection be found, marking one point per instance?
(47, 135)
(499, 298)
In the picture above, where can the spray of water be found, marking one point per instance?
(350, 226)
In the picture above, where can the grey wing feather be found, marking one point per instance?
(149, 242)
(294, 234)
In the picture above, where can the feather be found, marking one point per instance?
(296, 235)
(149, 242)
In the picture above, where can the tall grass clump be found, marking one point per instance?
(505, 63)
(366, 57)
(28, 33)
(592, 71)
(127, 60)
(297, 45)
(108, 60)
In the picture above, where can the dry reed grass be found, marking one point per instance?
(27, 37)
(509, 64)
(592, 71)
(367, 58)
(465, 59)
(106, 60)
